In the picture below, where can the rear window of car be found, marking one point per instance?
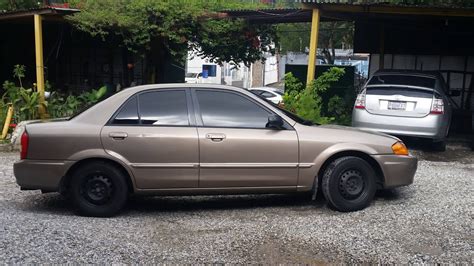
(158, 108)
(403, 80)
(408, 92)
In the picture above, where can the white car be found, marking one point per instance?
(192, 78)
(273, 95)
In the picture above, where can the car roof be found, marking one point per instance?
(272, 89)
(182, 86)
(428, 74)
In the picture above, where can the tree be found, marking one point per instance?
(18, 4)
(332, 35)
(168, 29)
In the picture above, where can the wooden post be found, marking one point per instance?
(313, 46)
(39, 63)
(8, 120)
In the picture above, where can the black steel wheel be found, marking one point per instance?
(349, 184)
(98, 189)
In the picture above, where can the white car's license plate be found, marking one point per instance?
(397, 105)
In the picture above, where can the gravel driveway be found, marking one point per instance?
(429, 221)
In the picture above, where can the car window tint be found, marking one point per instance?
(267, 94)
(408, 92)
(226, 109)
(257, 92)
(403, 80)
(128, 114)
(163, 108)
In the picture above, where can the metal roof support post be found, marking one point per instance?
(39, 63)
(313, 45)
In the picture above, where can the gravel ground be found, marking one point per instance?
(430, 221)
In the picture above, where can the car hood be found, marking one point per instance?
(326, 136)
(354, 129)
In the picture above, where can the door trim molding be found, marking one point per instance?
(249, 165)
(222, 165)
(165, 165)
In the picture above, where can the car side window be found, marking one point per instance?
(128, 114)
(163, 108)
(227, 109)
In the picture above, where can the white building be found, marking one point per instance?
(202, 70)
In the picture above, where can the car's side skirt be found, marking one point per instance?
(223, 190)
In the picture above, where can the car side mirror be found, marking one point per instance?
(275, 122)
(455, 93)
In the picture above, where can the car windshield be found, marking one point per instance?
(290, 114)
(403, 80)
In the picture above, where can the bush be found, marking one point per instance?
(26, 101)
(307, 101)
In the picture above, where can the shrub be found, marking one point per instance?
(307, 101)
(26, 101)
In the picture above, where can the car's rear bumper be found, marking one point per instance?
(430, 126)
(40, 174)
(398, 170)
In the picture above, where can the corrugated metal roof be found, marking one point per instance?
(433, 4)
(4, 15)
(350, 12)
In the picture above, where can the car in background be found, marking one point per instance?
(405, 103)
(192, 78)
(273, 95)
(191, 139)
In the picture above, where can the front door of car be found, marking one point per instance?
(236, 147)
(155, 135)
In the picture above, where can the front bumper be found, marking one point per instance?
(397, 170)
(40, 174)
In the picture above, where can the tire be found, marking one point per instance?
(349, 184)
(439, 146)
(98, 189)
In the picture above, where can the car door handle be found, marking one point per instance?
(118, 135)
(215, 136)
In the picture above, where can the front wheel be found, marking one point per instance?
(98, 189)
(349, 184)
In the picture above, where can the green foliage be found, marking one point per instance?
(26, 101)
(92, 96)
(307, 101)
(176, 26)
(294, 37)
(340, 109)
(19, 4)
(292, 83)
(19, 73)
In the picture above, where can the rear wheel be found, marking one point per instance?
(349, 184)
(98, 189)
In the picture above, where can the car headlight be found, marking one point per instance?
(399, 148)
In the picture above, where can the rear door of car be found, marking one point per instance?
(154, 132)
(399, 95)
(236, 148)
